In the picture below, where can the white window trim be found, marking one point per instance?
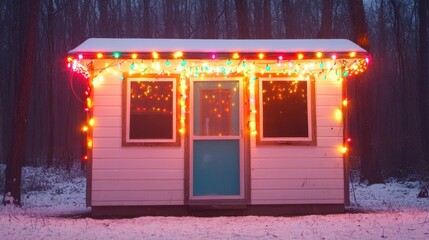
(309, 113)
(127, 110)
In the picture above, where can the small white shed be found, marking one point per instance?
(193, 126)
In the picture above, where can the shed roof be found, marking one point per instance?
(130, 45)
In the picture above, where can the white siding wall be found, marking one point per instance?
(129, 175)
(304, 174)
(155, 175)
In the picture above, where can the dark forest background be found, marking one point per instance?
(388, 111)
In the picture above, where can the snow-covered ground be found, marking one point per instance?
(54, 208)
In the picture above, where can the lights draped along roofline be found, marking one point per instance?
(192, 58)
(220, 55)
(353, 62)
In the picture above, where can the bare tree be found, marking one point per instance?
(289, 19)
(370, 168)
(267, 20)
(168, 20)
(326, 24)
(358, 23)
(146, 19)
(257, 19)
(104, 23)
(30, 11)
(242, 19)
(228, 32)
(211, 19)
(129, 19)
(9, 80)
(49, 79)
(424, 74)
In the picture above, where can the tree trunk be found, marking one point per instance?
(211, 19)
(9, 72)
(289, 18)
(117, 12)
(146, 19)
(424, 75)
(258, 19)
(1, 135)
(129, 19)
(30, 11)
(326, 25)
(226, 8)
(242, 19)
(168, 19)
(49, 79)
(104, 24)
(358, 22)
(267, 20)
(370, 168)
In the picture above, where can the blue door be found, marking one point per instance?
(216, 139)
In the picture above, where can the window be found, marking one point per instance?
(286, 111)
(216, 108)
(150, 115)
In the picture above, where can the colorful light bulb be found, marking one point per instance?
(155, 55)
(178, 54)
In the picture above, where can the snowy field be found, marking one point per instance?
(54, 208)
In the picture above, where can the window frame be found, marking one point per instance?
(311, 140)
(126, 141)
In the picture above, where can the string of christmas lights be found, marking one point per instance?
(200, 65)
(225, 68)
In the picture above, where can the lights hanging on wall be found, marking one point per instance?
(199, 65)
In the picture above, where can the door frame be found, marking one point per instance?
(244, 151)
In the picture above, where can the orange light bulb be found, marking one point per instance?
(155, 55)
(352, 54)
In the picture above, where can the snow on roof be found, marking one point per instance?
(128, 45)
